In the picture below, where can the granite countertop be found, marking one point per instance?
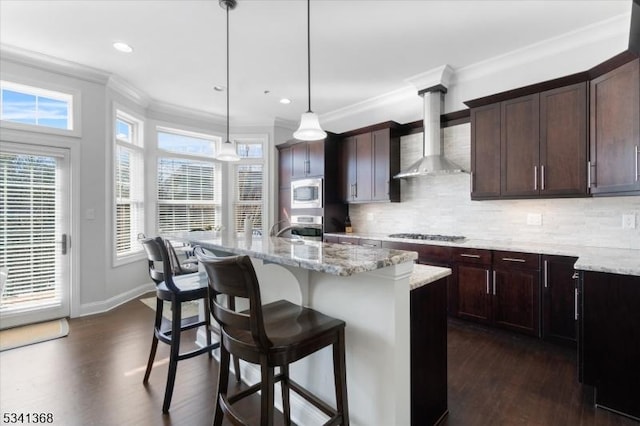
(598, 259)
(336, 259)
(425, 274)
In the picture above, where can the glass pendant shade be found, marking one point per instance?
(228, 152)
(309, 129)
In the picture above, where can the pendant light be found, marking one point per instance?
(228, 148)
(309, 129)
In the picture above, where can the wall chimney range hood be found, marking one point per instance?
(433, 161)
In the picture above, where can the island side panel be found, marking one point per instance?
(375, 307)
(429, 353)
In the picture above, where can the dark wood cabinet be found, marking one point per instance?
(473, 284)
(519, 146)
(615, 131)
(534, 145)
(485, 152)
(307, 159)
(516, 291)
(563, 141)
(285, 168)
(559, 298)
(368, 162)
(498, 288)
(609, 339)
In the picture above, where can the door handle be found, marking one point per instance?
(65, 243)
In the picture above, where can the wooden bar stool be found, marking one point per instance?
(274, 335)
(176, 290)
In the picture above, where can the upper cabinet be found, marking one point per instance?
(368, 162)
(530, 146)
(569, 137)
(307, 159)
(615, 131)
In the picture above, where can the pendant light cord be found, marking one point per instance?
(228, 141)
(309, 54)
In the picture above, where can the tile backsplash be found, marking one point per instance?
(442, 205)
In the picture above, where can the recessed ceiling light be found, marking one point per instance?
(218, 88)
(285, 101)
(122, 47)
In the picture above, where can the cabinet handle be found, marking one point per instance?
(542, 178)
(575, 275)
(575, 303)
(369, 245)
(546, 274)
(535, 178)
(636, 163)
(513, 259)
(355, 189)
(488, 281)
(474, 256)
(494, 282)
(471, 181)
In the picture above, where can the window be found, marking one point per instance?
(249, 188)
(129, 184)
(188, 181)
(35, 106)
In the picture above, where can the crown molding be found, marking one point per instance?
(434, 77)
(129, 91)
(156, 107)
(52, 64)
(604, 30)
(284, 123)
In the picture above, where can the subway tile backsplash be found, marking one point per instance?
(442, 205)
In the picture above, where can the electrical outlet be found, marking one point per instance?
(629, 221)
(534, 219)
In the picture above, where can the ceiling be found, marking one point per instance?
(360, 49)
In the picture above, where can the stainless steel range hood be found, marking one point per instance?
(433, 161)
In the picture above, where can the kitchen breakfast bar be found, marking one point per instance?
(395, 314)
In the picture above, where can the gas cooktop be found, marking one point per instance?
(432, 237)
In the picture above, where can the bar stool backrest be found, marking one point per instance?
(234, 276)
(157, 253)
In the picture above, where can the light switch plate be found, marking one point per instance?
(534, 219)
(629, 221)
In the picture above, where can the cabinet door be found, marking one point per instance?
(515, 299)
(284, 167)
(610, 339)
(364, 168)
(558, 299)
(519, 146)
(615, 130)
(563, 141)
(485, 152)
(348, 169)
(381, 159)
(473, 283)
(315, 152)
(299, 160)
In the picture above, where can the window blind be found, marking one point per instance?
(28, 231)
(249, 195)
(129, 193)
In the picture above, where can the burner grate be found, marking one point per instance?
(431, 237)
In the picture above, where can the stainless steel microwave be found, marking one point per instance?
(306, 193)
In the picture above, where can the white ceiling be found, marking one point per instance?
(360, 48)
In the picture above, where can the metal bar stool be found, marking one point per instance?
(274, 335)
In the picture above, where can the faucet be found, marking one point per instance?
(274, 233)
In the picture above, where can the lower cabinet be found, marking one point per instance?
(499, 288)
(559, 299)
(609, 339)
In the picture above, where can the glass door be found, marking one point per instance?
(35, 223)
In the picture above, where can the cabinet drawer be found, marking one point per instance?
(479, 256)
(429, 253)
(370, 243)
(510, 259)
(348, 240)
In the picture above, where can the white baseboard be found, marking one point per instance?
(302, 412)
(107, 305)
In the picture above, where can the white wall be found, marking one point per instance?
(442, 205)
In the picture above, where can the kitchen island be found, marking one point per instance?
(376, 292)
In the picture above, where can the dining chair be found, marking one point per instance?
(271, 335)
(180, 267)
(176, 290)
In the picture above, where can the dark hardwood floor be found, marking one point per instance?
(94, 377)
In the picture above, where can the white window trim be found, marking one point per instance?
(119, 111)
(46, 89)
